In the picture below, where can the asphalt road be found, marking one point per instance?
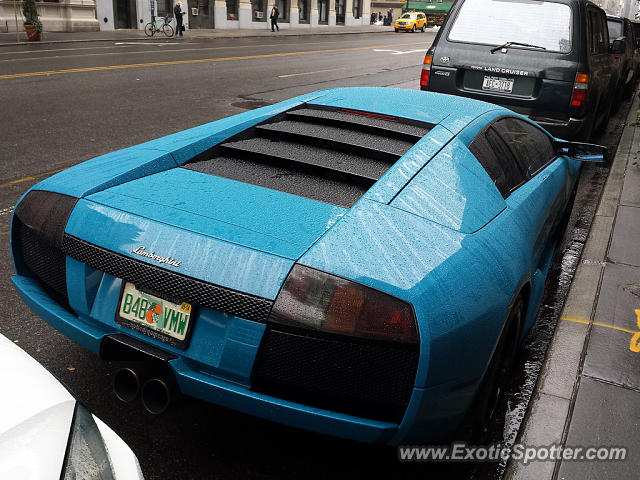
(66, 103)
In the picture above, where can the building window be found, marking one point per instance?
(283, 6)
(232, 9)
(164, 8)
(258, 10)
(357, 8)
(303, 8)
(340, 6)
(323, 11)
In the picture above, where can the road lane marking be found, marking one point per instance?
(183, 62)
(146, 43)
(401, 52)
(311, 73)
(142, 43)
(31, 177)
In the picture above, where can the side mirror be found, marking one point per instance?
(618, 45)
(583, 152)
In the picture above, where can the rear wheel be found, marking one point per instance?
(422, 29)
(413, 28)
(167, 30)
(148, 29)
(488, 395)
(397, 30)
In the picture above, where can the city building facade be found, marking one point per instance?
(56, 15)
(235, 14)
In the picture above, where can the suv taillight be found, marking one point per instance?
(579, 96)
(426, 71)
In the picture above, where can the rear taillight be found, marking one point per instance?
(316, 300)
(46, 214)
(579, 96)
(426, 71)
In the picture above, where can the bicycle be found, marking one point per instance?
(150, 29)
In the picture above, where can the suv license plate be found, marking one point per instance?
(498, 84)
(154, 315)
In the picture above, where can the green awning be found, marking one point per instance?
(427, 7)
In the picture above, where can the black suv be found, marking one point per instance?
(626, 61)
(549, 60)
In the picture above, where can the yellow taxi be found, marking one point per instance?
(411, 21)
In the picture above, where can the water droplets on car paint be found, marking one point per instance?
(529, 362)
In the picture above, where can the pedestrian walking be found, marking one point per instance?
(177, 11)
(275, 13)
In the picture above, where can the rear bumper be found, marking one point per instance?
(404, 27)
(194, 382)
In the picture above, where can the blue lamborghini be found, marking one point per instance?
(359, 262)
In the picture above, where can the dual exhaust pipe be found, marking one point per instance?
(156, 393)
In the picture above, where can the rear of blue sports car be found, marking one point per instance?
(203, 250)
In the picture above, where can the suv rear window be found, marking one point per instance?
(615, 29)
(495, 22)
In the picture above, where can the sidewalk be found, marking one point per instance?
(194, 34)
(588, 391)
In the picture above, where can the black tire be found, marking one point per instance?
(413, 28)
(167, 30)
(422, 29)
(487, 398)
(148, 29)
(397, 30)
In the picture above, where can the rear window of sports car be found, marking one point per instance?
(495, 22)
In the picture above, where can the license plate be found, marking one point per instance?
(498, 84)
(155, 316)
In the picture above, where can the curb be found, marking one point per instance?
(552, 401)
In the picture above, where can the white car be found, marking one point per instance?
(46, 434)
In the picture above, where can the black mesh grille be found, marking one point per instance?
(169, 284)
(372, 381)
(46, 262)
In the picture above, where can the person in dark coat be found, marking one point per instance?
(275, 13)
(177, 11)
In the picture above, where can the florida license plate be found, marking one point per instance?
(497, 84)
(155, 316)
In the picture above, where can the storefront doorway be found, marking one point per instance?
(323, 12)
(340, 6)
(124, 13)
